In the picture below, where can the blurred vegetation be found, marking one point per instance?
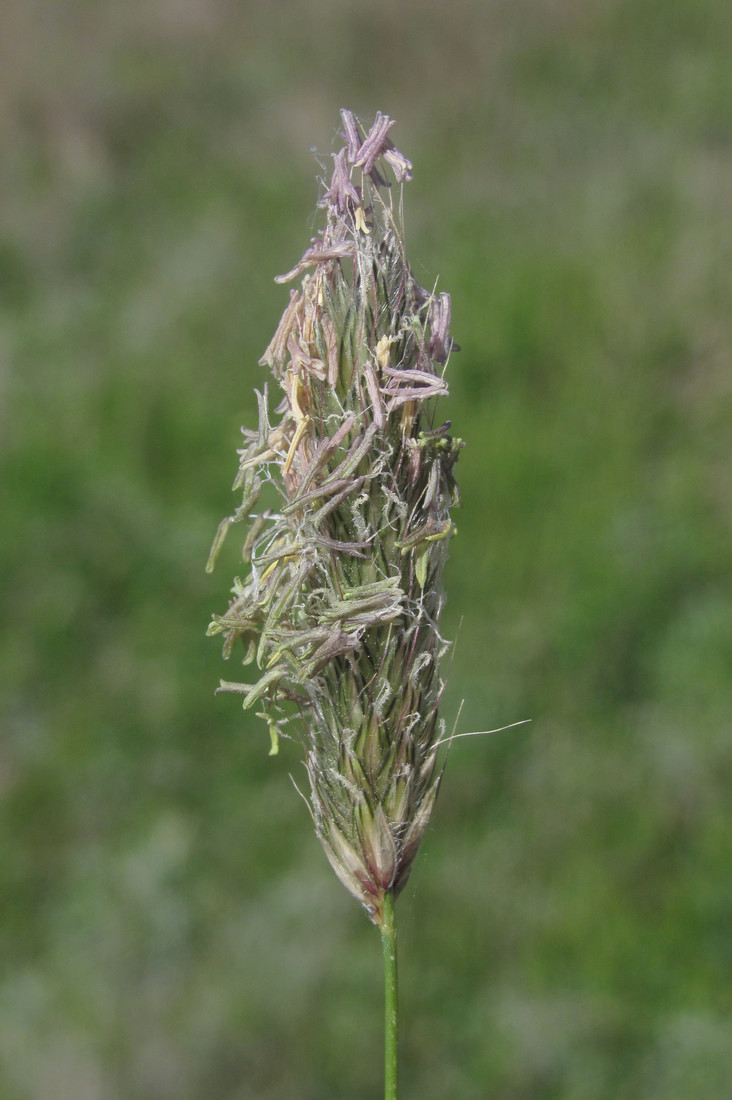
(170, 927)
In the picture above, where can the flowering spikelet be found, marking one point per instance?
(341, 605)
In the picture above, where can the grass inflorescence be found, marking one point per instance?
(340, 608)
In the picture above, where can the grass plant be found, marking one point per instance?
(340, 606)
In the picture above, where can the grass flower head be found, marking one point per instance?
(340, 608)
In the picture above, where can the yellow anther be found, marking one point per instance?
(270, 569)
(383, 351)
(299, 433)
(409, 410)
(273, 565)
(360, 220)
(297, 390)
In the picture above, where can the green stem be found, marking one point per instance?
(388, 939)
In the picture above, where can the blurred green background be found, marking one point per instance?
(170, 927)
